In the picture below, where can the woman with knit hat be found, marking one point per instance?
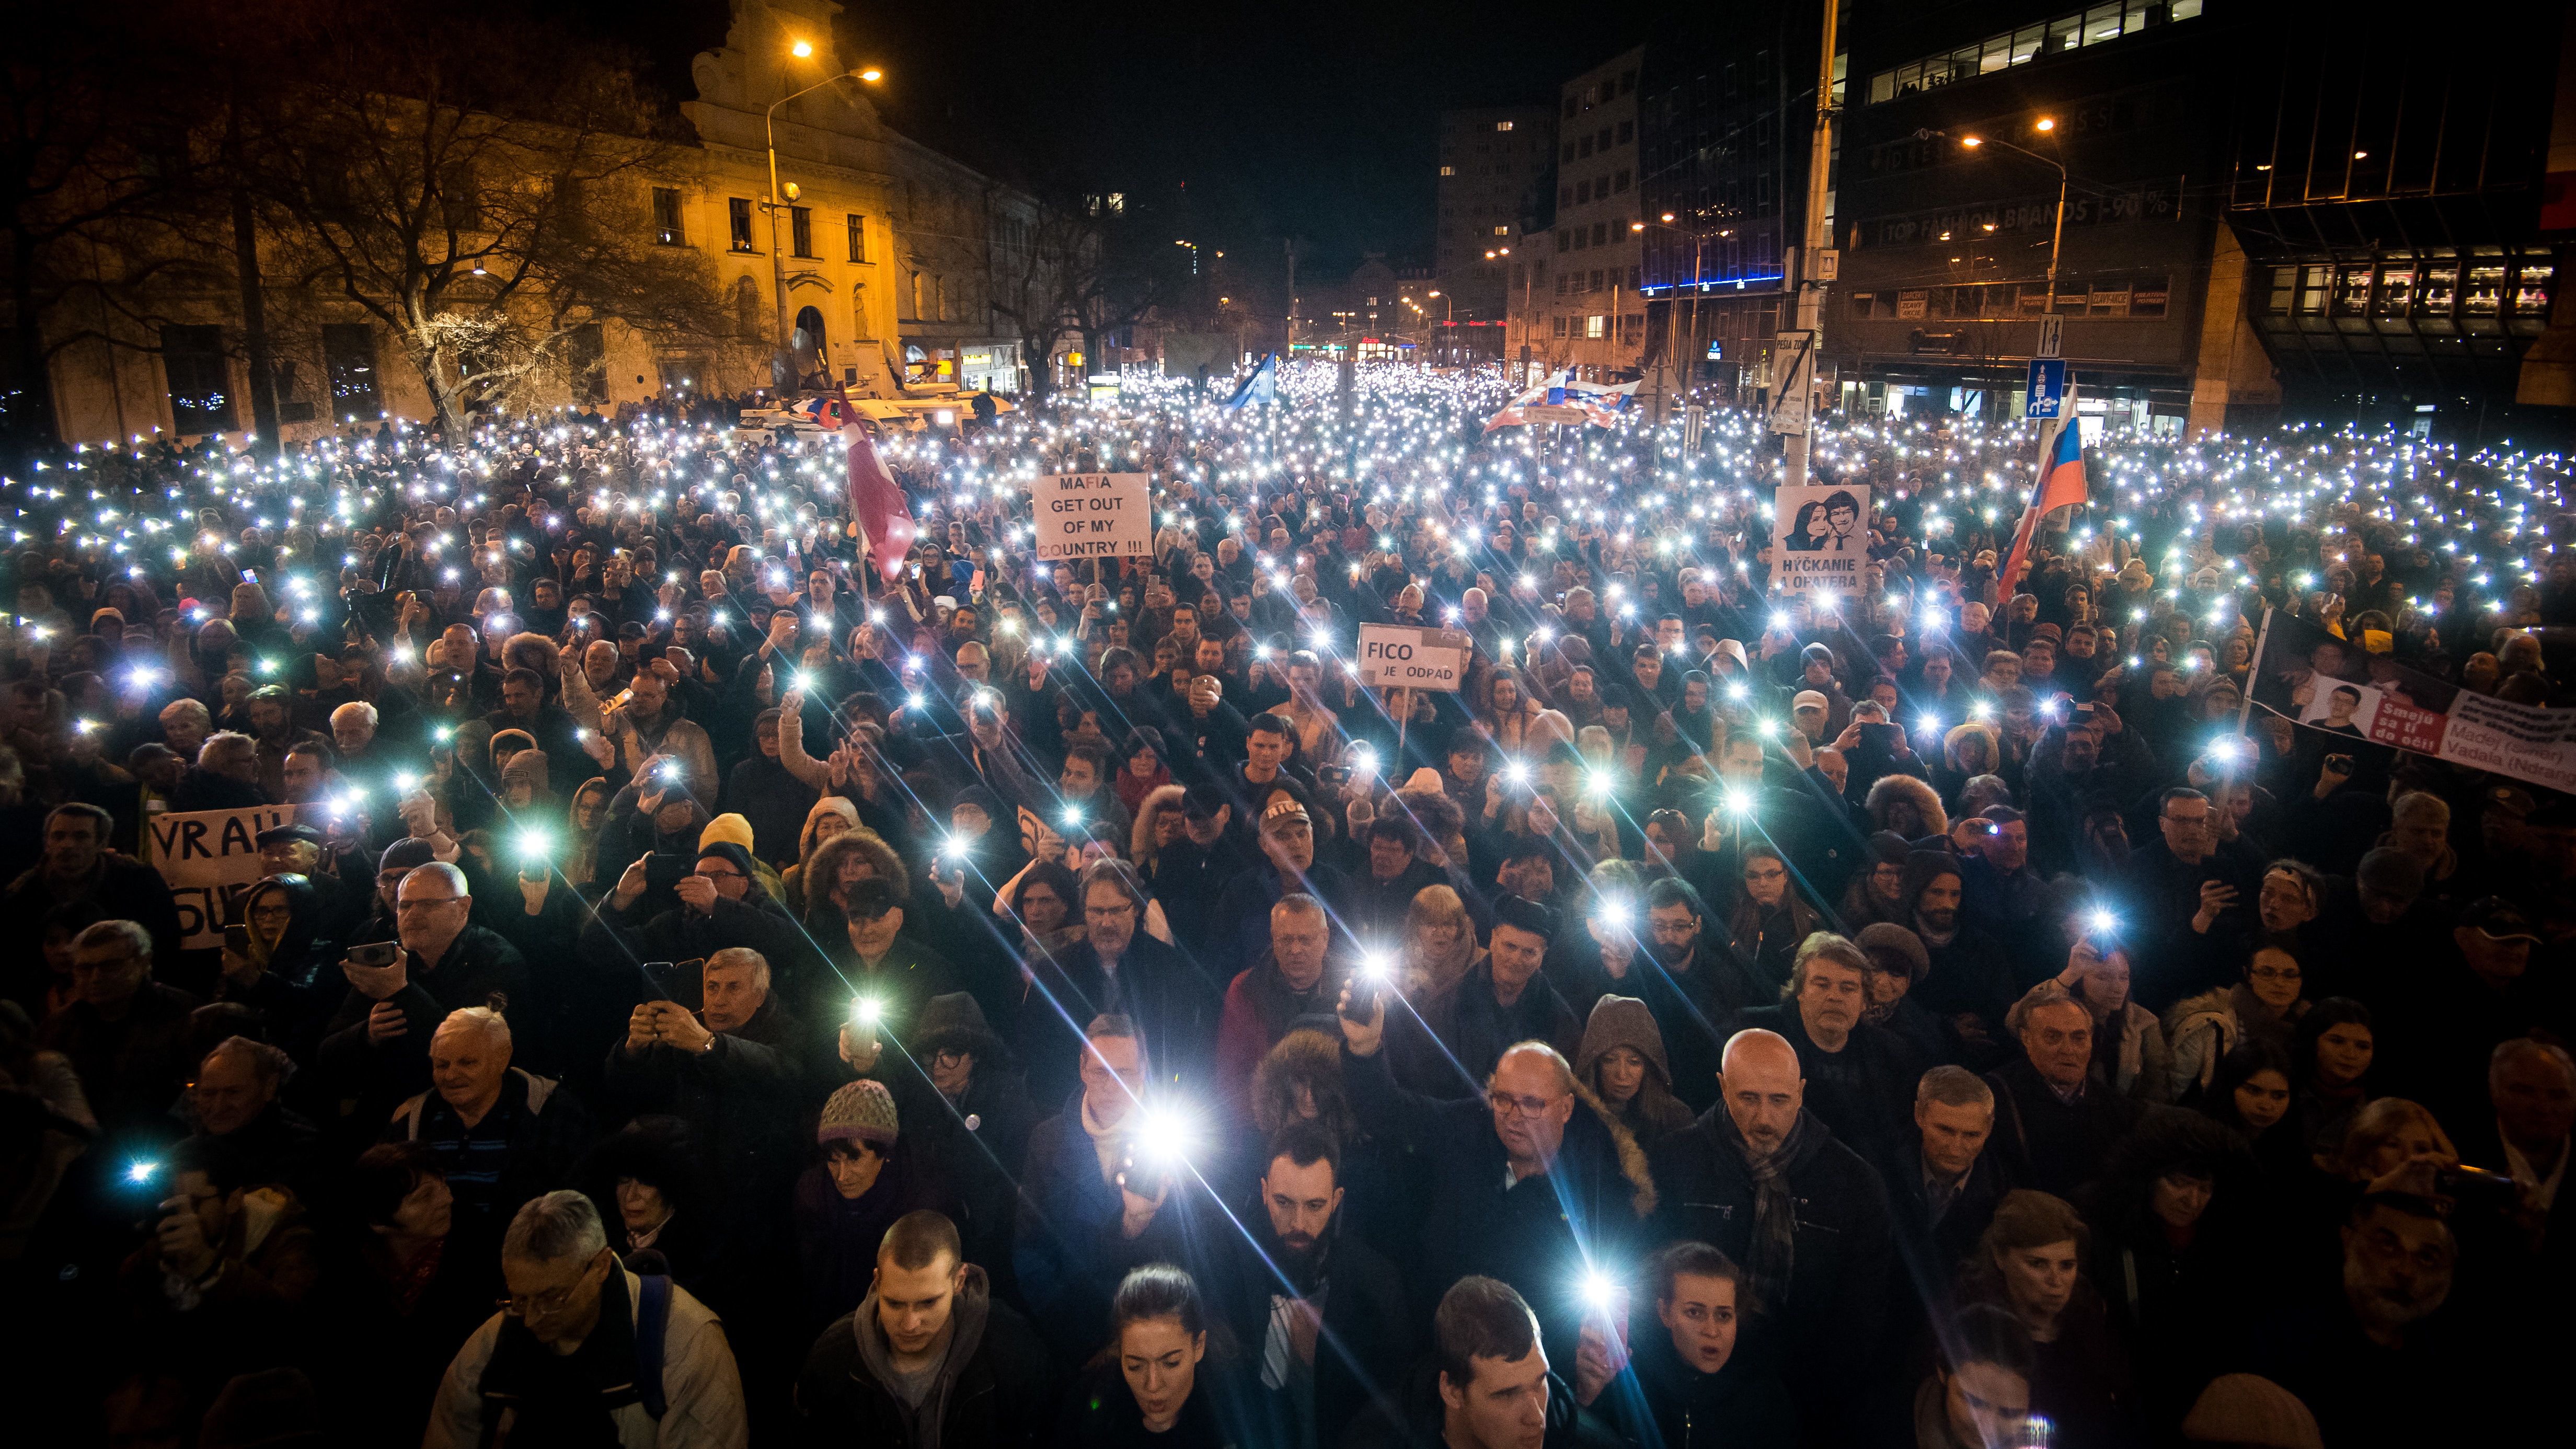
(1622, 1060)
(847, 1200)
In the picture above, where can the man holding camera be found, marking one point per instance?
(400, 990)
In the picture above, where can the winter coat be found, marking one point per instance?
(2203, 1029)
(479, 969)
(2130, 1055)
(994, 1390)
(548, 1133)
(699, 1383)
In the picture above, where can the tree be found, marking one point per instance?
(486, 197)
(1085, 269)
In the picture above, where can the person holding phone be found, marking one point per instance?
(441, 962)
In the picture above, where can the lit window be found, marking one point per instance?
(1502, 125)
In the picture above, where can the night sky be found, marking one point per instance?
(1239, 124)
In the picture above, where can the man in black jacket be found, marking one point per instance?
(1856, 1073)
(379, 1039)
(77, 866)
(928, 1357)
(1527, 1182)
(2053, 1123)
(1763, 1181)
(721, 905)
(1944, 1181)
(1319, 1313)
(733, 1070)
(1122, 971)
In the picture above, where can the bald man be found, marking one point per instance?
(1767, 1183)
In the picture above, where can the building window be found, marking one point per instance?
(1627, 132)
(1583, 146)
(2098, 25)
(858, 237)
(1583, 191)
(666, 217)
(915, 298)
(349, 367)
(738, 216)
(800, 231)
(1561, 280)
(1619, 182)
(1601, 233)
(201, 388)
(1560, 326)
(1502, 125)
(1448, 170)
(1596, 326)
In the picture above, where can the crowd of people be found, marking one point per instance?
(710, 988)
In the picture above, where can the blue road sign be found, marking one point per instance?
(2047, 388)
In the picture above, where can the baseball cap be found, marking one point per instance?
(2499, 919)
(282, 834)
(1285, 811)
(1525, 915)
(1203, 801)
(1807, 699)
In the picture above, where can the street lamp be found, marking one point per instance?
(2057, 232)
(782, 365)
(1194, 255)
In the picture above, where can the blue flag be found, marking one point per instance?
(1261, 387)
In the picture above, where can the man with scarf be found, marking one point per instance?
(1767, 1184)
(561, 1364)
(1317, 1311)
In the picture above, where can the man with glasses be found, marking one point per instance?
(1526, 1183)
(1118, 969)
(377, 1044)
(2179, 889)
(560, 1360)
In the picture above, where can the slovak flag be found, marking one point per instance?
(1601, 406)
(1261, 386)
(2061, 482)
(1548, 393)
(877, 504)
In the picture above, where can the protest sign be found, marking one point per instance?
(1819, 539)
(208, 857)
(1393, 656)
(2336, 687)
(1093, 515)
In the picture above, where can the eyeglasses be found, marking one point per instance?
(548, 1303)
(1507, 1105)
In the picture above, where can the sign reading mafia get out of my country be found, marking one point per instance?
(1819, 539)
(1396, 656)
(1093, 515)
(207, 857)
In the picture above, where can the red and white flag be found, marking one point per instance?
(877, 504)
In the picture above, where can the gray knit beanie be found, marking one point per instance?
(861, 1111)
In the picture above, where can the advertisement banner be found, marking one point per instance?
(2337, 688)
(1093, 515)
(1820, 539)
(208, 857)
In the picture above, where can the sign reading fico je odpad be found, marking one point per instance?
(1393, 656)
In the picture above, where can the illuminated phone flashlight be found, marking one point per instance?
(1598, 782)
(1363, 758)
(1516, 773)
(141, 1172)
(1072, 816)
(535, 845)
(1600, 1291)
(1614, 912)
(1779, 622)
(866, 1011)
(913, 700)
(2102, 922)
(1981, 711)
(1377, 968)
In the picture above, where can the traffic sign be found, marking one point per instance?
(1793, 381)
(2052, 336)
(1393, 656)
(2047, 391)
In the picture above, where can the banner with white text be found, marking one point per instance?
(1819, 539)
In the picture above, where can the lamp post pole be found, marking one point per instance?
(782, 367)
(1811, 290)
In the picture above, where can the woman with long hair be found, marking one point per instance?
(1622, 1061)
(1439, 943)
(2330, 1061)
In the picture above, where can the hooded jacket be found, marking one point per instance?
(1625, 1021)
(991, 1390)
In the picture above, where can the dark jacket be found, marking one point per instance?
(744, 1094)
(549, 1131)
(1451, 1044)
(1068, 1248)
(994, 1389)
(614, 938)
(1259, 1006)
(479, 969)
(1367, 1332)
(122, 888)
(1170, 1001)
(1665, 1402)
(1835, 1309)
(1862, 1092)
(130, 1068)
(2049, 1143)
(1583, 1208)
